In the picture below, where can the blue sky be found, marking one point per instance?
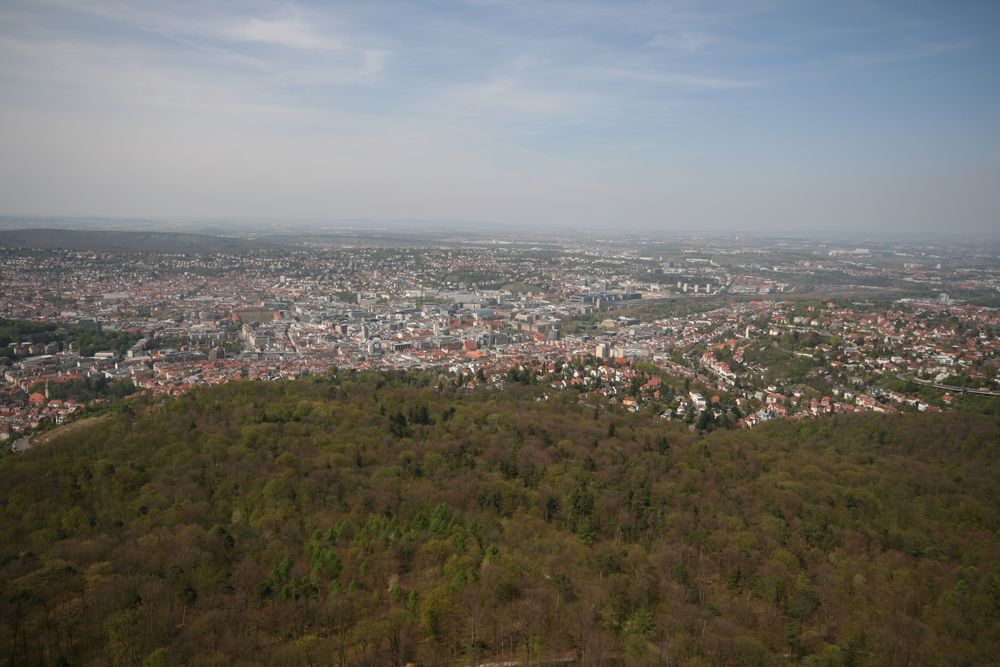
(753, 115)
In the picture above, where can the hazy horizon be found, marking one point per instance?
(476, 230)
(746, 117)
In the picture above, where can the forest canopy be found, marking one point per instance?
(381, 519)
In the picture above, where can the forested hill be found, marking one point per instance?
(380, 520)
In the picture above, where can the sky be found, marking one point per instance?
(746, 116)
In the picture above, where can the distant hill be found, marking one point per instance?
(122, 241)
(386, 519)
(369, 238)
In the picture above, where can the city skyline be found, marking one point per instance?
(745, 117)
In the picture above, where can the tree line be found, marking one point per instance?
(389, 518)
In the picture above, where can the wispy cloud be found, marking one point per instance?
(509, 94)
(308, 41)
(290, 32)
(86, 77)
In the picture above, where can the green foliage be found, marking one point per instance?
(19, 331)
(379, 519)
(86, 339)
(87, 389)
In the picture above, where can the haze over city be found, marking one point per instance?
(748, 117)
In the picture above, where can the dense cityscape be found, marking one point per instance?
(712, 331)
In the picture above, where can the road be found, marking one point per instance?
(947, 387)
(25, 443)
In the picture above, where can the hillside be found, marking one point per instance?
(126, 241)
(385, 519)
